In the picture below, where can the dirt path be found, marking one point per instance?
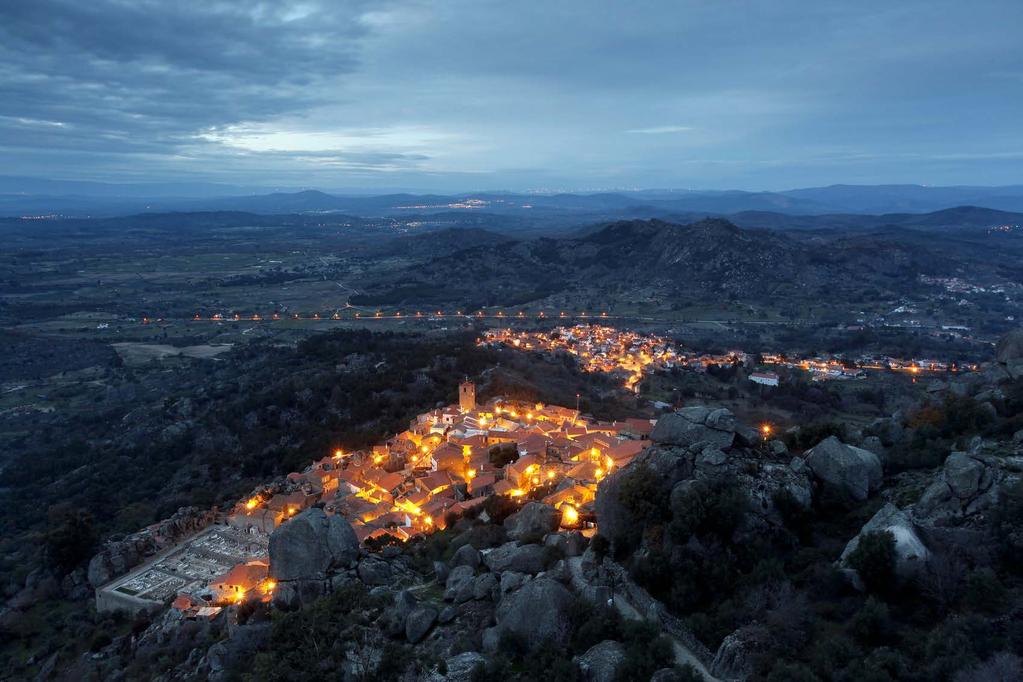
(682, 653)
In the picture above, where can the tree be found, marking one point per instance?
(872, 624)
(72, 536)
(642, 494)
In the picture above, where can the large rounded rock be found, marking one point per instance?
(530, 559)
(968, 485)
(532, 522)
(394, 618)
(1010, 347)
(465, 666)
(233, 653)
(486, 587)
(375, 572)
(537, 614)
(567, 544)
(511, 581)
(676, 429)
(734, 658)
(419, 622)
(697, 413)
(710, 458)
(602, 662)
(466, 555)
(460, 583)
(721, 419)
(847, 472)
(616, 522)
(310, 545)
(965, 475)
(910, 552)
(1009, 353)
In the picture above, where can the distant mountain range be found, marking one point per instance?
(27, 196)
(708, 259)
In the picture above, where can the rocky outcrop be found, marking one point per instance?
(763, 485)
(602, 662)
(734, 658)
(911, 554)
(466, 555)
(711, 457)
(530, 559)
(955, 510)
(617, 523)
(460, 583)
(511, 581)
(965, 487)
(1009, 353)
(118, 557)
(537, 614)
(847, 473)
(229, 655)
(567, 544)
(966, 476)
(721, 419)
(694, 425)
(486, 586)
(393, 620)
(310, 545)
(373, 571)
(677, 470)
(306, 554)
(463, 667)
(533, 521)
(419, 622)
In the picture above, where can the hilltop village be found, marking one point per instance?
(628, 355)
(449, 461)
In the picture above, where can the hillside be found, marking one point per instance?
(708, 258)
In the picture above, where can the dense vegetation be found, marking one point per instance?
(801, 618)
(209, 438)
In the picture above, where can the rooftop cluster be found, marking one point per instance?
(599, 348)
(448, 461)
(630, 354)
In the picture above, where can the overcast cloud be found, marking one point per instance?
(486, 95)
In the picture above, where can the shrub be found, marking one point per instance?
(872, 624)
(874, 560)
(549, 663)
(797, 519)
(783, 671)
(832, 652)
(1008, 526)
(592, 625)
(503, 454)
(984, 591)
(641, 494)
(709, 509)
(809, 435)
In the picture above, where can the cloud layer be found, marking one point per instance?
(467, 94)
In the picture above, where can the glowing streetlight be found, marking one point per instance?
(569, 515)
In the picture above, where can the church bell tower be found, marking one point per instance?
(467, 396)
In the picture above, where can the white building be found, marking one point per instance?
(764, 378)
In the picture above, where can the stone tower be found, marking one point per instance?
(467, 396)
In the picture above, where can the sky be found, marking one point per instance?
(460, 95)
